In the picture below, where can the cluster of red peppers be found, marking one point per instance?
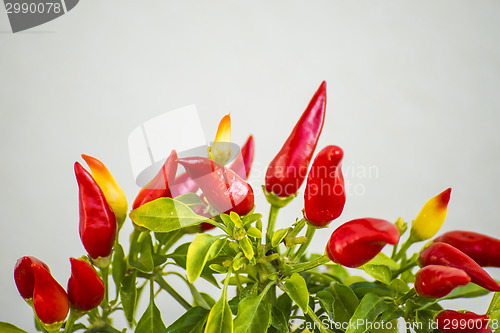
(453, 259)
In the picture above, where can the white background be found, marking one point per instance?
(413, 90)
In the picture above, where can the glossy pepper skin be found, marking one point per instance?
(450, 321)
(482, 248)
(436, 281)
(85, 287)
(222, 187)
(324, 197)
(220, 151)
(356, 242)
(159, 187)
(113, 192)
(98, 225)
(431, 217)
(446, 255)
(24, 276)
(288, 169)
(49, 298)
(242, 165)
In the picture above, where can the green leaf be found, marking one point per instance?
(278, 236)
(118, 265)
(150, 321)
(254, 232)
(370, 307)
(164, 215)
(220, 318)
(379, 272)
(382, 259)
(216, 248)
(254, 315)
(337, 271)
(192, 321)
(251, 218)
(144, 262)
(470, 290)
(400, 286)
(296, 288)
(189, 199)
(9, 328)
(363, 288)
(246, 246)
(345, 302)
(494, 308)
(326, 301)
(281, 313)
(128, 295)
(198, 254)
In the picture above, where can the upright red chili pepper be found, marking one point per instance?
(436, 281)
(324, 197)
(49, 298)
(24, 276)
(243, 162)
(223, 188)
(159, 186)
(450, 321)
(446, 255)
(98, 225)
(288, 169)
(85, 287)
(356, 242)
(482, 248)
(183, 184)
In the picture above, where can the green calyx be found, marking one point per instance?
(277, 201)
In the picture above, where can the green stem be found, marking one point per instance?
(406, 296)
(171, 241)
(406, 245)
(217, 224)
(271, 224)
(308, 265)
(408, 266)
(309, 235)
(165, 286)
(317, 321)
(105, 301)
(73, 316)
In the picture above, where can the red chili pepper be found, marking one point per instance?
(85, 287)
(450, 321)
(324, 195)
(159, 186)
(49, 298)
(98, 225)
(483, 249)
(243, 162)
(356, 242)
(24, 275)
(436, 281)
(288, 169)
(446, 255)
(223, 188)
(183, 184)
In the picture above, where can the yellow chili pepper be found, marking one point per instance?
(112, 191)
(431, 217)
(220, 151)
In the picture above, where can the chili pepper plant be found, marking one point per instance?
(352, 287)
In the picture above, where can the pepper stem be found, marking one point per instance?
(73, 316)
(165, 286)
(308, 265)
(309, 235)
(105, 301)
(273, 215)
(406, 245)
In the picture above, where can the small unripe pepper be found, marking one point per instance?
(222, 187)
(85, 287)
(288, 169)
(436, 281)
(356, 242)
(220, 151)
(49, 298)
(98, 225)
(446, 255)
(113, 192)
(483, 249)
(159, 187)
(324, 197)
(431, 217)
(24, 276)
(450, 321)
